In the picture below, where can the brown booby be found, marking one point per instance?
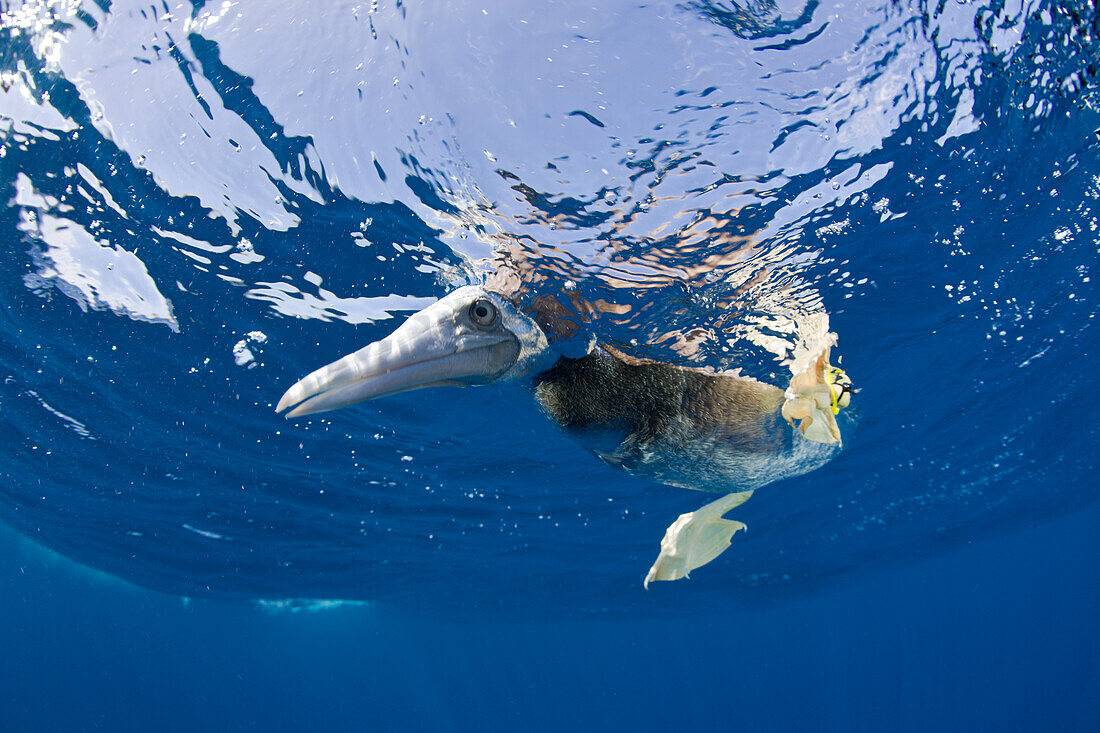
(675, 425)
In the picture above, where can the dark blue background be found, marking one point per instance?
(999, 636)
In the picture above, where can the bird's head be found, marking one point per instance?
(472, 336)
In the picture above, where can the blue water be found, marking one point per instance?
(208, 201)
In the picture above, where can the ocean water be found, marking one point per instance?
(206, 201)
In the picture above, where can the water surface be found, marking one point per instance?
(207, 201)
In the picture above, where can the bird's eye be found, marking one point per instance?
(483, 313)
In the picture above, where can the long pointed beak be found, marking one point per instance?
(437, 346)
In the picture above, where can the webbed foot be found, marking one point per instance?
(696, 538)
(814, 398)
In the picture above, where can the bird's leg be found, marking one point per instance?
(696, 538)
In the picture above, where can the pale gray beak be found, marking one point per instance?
(460, 340)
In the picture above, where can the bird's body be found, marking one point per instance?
(677, 426)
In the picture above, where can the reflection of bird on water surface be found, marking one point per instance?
(675, 425)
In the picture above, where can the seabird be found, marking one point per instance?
(675, 425)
